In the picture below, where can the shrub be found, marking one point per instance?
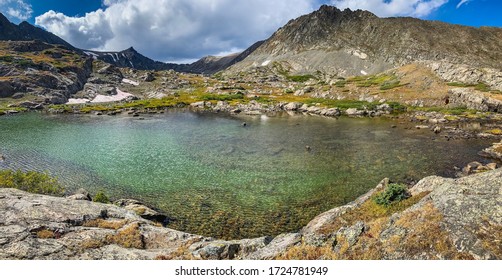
(31, 181)
(393, 193)
(101, 198)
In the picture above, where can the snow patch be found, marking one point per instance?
(95, 56)
(113, 98)
(77, 101)
(131, 82)
(113, 57)
(267, 62)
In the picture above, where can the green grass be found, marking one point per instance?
(341, 83)
(481, 86)
(222, 97)
(384, 81)
(348, 104)
(390, 85)
(450, 111)
(30, 181)
(300, 78)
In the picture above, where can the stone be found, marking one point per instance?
(492, 166)
(277, 246)
(348, 235)
(437, 129)
(200, 104)
(6, 89)
(142, 210)
(81, 193)
(467, 97)
(293, 106)
(354, 112)
(149, 77)
(18, 95)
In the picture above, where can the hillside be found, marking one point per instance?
(351, 43)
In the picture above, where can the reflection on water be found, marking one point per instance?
(218, 178)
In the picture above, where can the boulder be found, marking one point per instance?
(149, 77)
(6, 90)
(142, 210)
(293, 106)
(354, 112)
(80, 194)
(467, 97)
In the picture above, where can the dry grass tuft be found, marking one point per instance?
(182, 253)
(129, 237)
(46, 234)
(491, 238)
(106, 224)
(370, 211)
(92, 244)
(425, 235)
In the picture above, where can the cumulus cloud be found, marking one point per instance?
(462, 2)
(389, 8)
(173, 30)
(16, 10)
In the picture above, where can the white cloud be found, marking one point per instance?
(16, 10)
(389, 8)
(175, 29)
(462, 2)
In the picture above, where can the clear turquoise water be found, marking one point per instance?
(215, 177)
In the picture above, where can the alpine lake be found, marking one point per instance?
(216, 177)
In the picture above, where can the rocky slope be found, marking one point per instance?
(350, 43)
(41, 73)
(444, 219)
(27, 32)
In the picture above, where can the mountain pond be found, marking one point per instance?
(216, 177)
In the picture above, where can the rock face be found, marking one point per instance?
(465, 97)
(352, 43)
(450, 219)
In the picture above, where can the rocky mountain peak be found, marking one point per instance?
(351, 43)
(130, 49)
(335, 13)
(3, 20)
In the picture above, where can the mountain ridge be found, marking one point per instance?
(349, 43)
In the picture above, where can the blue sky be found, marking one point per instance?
(184, 30)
